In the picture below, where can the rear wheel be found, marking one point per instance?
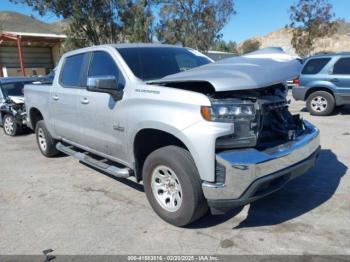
(320, 103)
(11, 128)
(173, 186)
(46, 143)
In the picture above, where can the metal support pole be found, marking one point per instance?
(20, 55)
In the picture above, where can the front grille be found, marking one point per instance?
(275, 105)
(277, 125)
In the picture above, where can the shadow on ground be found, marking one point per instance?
(341, 110)
(297, 198)
(127, 182)
(344, 110)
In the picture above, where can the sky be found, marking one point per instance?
(253, 18)
(260, 17)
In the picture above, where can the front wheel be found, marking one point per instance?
(173, 186)
(11, 128)
(320, 103)
(46, 143)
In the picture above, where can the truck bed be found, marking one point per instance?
(37, 95)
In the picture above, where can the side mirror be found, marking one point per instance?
(104, 84)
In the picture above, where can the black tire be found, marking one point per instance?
(43, 136)
(323, 97)
(179, 160)
(11, 128)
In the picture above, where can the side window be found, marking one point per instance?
(102, 64)
(71, 71)
(314, 66)
(342, 66)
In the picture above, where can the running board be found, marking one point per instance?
(99, 164)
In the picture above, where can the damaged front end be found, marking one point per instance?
(268, 146)
(16, 108)
(248, 91)
(261, 118)
(264, 146)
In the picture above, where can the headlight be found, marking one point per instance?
(228, 111)
(242, 114)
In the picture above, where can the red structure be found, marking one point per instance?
(18, 40)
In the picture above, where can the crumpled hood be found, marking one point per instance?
(255, 70)
(17, 99)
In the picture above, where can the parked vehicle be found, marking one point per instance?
(324, 83)
(197, 133)
(12, 109)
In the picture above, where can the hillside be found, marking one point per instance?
(337, 43)
(16, 22)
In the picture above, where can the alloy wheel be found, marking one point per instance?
(9, 125)
(319, 104)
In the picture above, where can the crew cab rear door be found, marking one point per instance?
(100, 115)
(64, 97)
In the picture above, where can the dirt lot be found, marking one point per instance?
(64, 205)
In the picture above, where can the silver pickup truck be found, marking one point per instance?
(198, 134)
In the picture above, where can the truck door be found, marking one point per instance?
(341, 76)
(100, 115)
(65, 95)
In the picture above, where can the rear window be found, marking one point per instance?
(71, 70)
(314, 66)
(342, 66)
(149, 63)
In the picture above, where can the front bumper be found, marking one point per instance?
(252, 174)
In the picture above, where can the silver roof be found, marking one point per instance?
(140, 45)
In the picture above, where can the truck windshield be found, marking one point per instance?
(150, 63)
(12, 89)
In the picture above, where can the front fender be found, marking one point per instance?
(199, 138)
(159, 126)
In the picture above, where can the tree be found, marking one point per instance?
(249, 46)
(95, 22)
(193, 23)
(311, 20)
(137, 20)
(221, 45)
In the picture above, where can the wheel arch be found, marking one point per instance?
(318, 88)
(2, 114)
(35, 116)
(148, 140)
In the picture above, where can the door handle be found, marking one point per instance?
(84, 101)
(55, 97)
(334, 80)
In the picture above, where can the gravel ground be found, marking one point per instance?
(64, 205)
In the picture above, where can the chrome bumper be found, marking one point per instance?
(247, 167)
